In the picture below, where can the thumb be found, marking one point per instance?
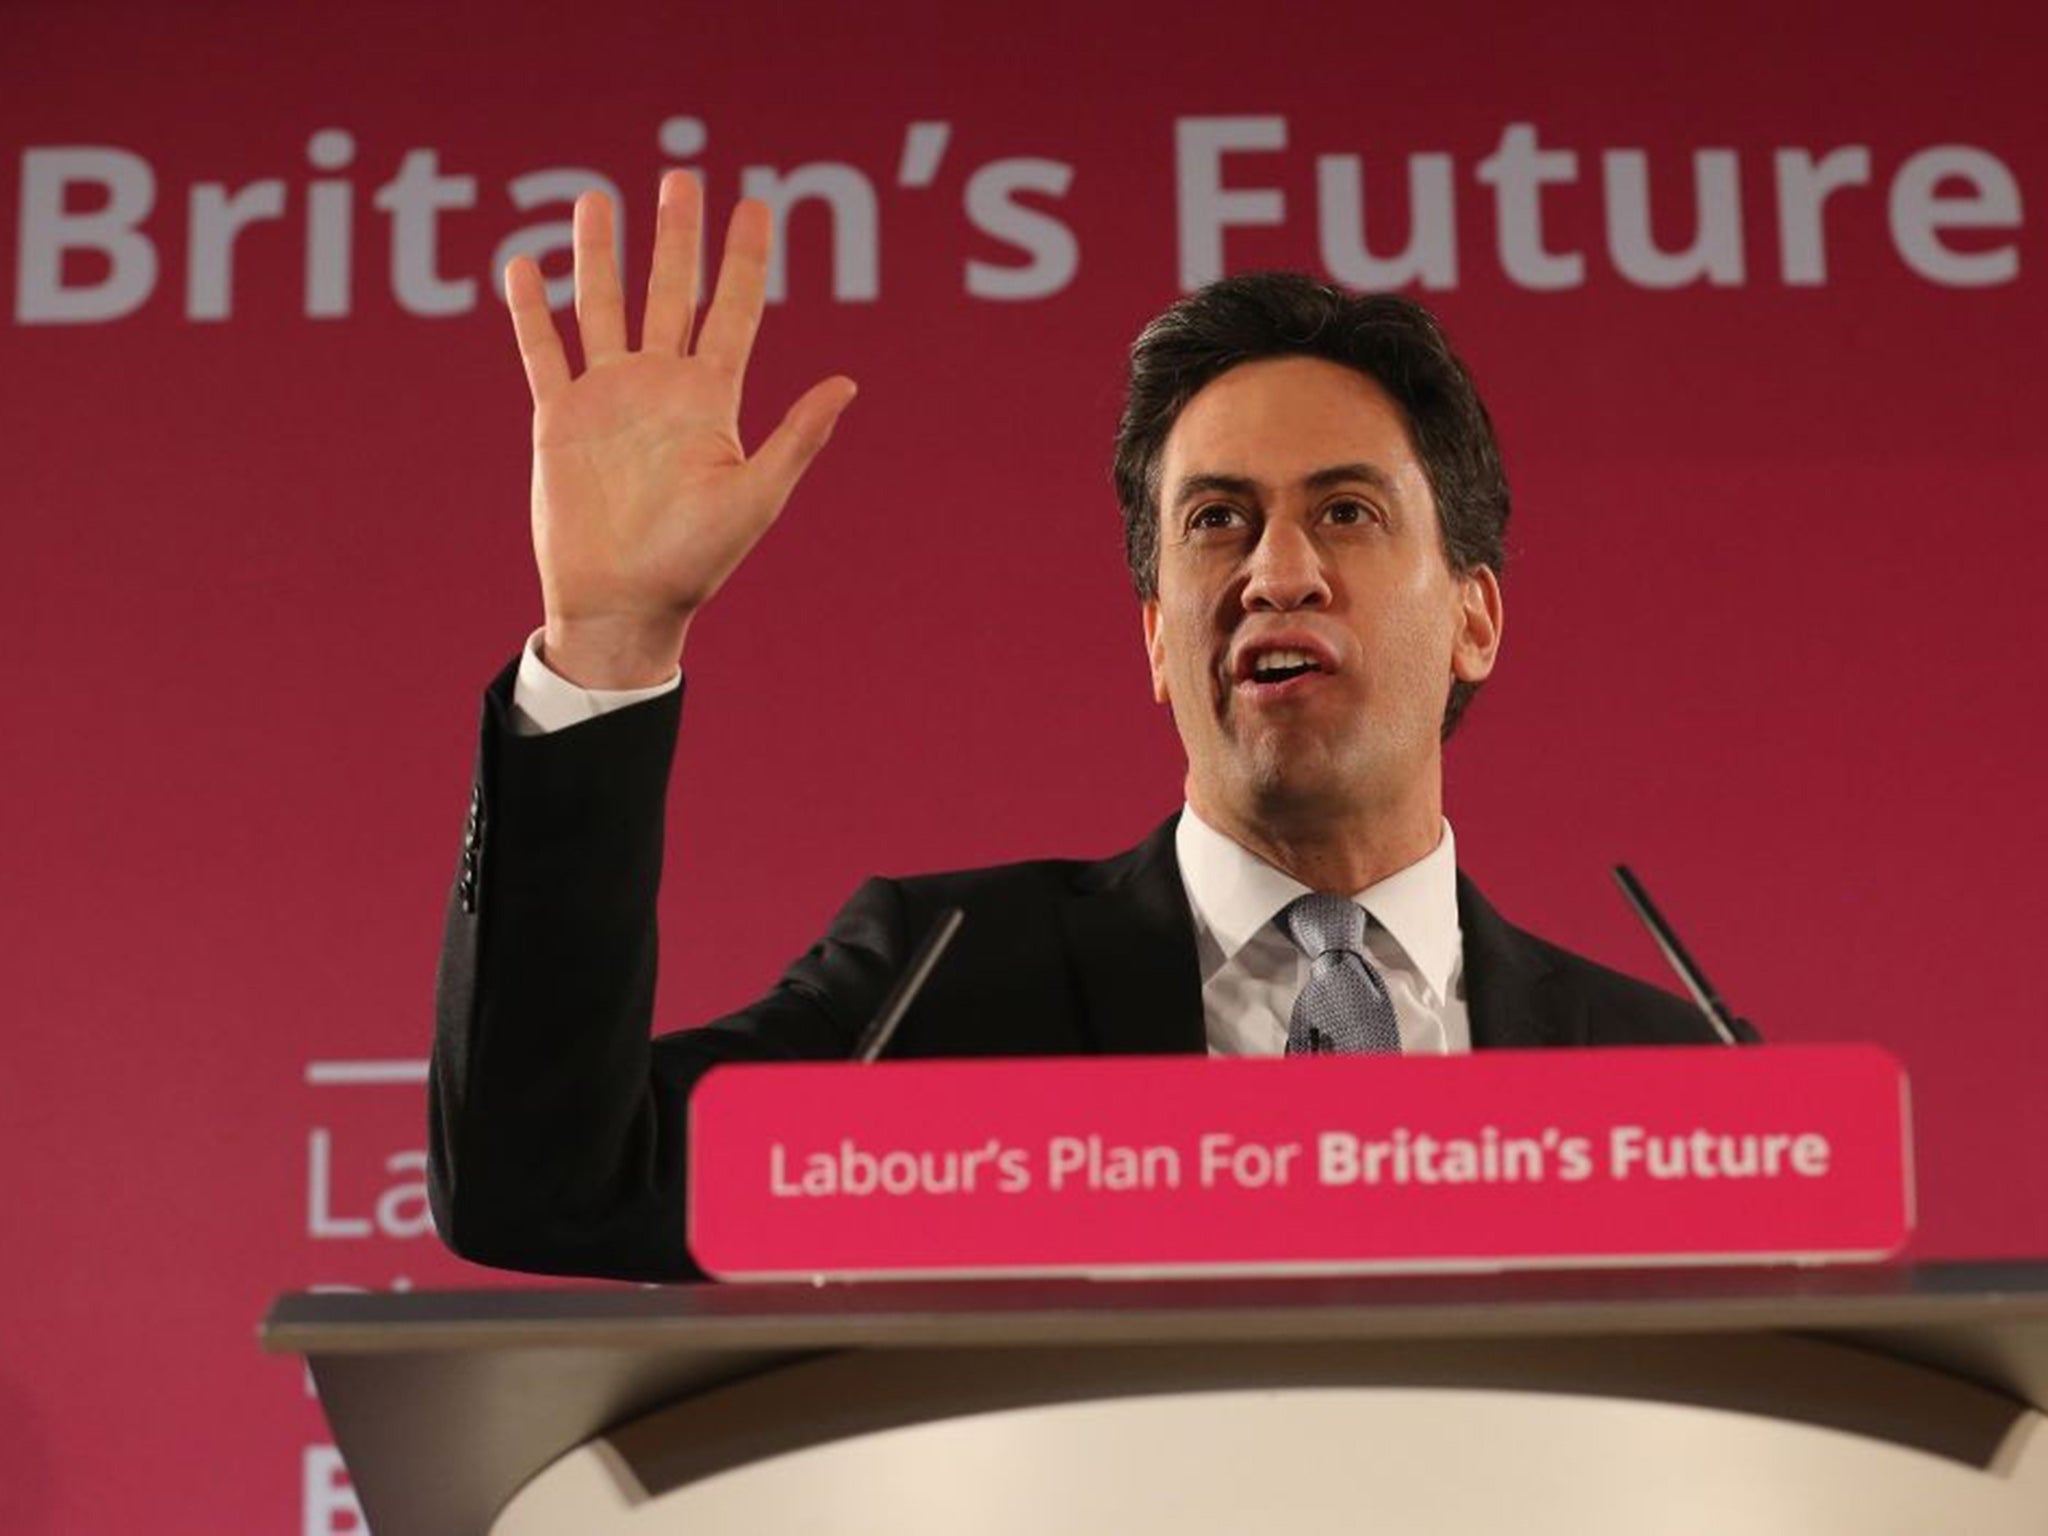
(806, 429)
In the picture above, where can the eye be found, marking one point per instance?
(1349, 511)
(1216, 514)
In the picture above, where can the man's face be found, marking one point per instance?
(1308, 625)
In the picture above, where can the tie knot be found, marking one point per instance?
(1320, 923)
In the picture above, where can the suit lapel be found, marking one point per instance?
(1505, 973)
(1131, 938)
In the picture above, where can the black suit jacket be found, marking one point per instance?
(557, 1135)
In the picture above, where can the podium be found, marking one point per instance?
(1762, 1400)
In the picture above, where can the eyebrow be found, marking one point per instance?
(1319, 480)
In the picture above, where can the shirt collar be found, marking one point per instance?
(1235, 894)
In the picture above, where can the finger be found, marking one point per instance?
(540, 346)
(791, 447)
(728, 335)
(672, 282)
(600, 313)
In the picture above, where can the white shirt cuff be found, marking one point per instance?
(543, 701)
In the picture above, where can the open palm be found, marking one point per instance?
(644, 498)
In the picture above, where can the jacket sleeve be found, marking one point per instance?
(557, 1127)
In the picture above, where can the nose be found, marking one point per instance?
(1285, 570)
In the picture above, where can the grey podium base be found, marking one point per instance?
(1148, 1443)
(1869, 1401)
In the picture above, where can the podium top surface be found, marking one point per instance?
(1250, 1309)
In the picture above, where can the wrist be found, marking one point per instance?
(613, 653)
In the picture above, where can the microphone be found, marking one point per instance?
(1732, 1030)
(875, 1038)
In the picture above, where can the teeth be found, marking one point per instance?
(1274, 661)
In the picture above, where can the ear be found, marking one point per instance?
(1477, 642)
(1155, 650)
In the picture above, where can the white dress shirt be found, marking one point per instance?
(1252, 971)
(544, 701)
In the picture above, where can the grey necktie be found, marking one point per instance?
(1345, 1006)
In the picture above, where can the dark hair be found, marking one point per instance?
(1393, 341)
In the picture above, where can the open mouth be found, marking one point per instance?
(1273, 668)
(1280, 674)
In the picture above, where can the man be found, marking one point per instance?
(1313, 512)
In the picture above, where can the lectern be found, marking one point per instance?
(1762, 1401)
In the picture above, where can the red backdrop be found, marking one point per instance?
(1770, 607)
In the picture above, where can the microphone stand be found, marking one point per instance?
(1732, 1030)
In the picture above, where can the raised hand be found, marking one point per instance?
(644, 500)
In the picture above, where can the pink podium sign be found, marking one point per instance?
(1158, 1165)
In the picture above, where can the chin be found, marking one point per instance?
(1293, 778)
(1296, 786)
